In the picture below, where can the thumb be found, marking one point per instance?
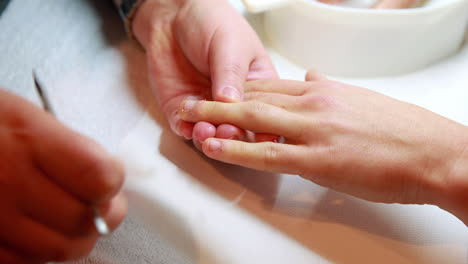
(229, 66)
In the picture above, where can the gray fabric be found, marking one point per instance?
(55, 37)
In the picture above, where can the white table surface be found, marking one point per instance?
(185, 208)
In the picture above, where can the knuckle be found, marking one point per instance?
(271, 155)
(205, 111)
(332, 126)
(16, 120)
(318, 102)
(235, 69)
(254, 110)
(208, 108)
(106, 175)
(302, 131)
(20, 130)
(254, 85)
(252, 95)
(330, 84)
(325, 86)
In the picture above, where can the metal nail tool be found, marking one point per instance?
(99, 222)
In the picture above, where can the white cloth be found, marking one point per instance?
(185, 208)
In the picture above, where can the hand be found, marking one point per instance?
(50, 177)
(199, 49)
(347, 138)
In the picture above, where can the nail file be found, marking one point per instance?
(101, 226)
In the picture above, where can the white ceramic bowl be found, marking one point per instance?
(360, 42)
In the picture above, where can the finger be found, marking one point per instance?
(267, 138)
(262, 68)
(45, 202)
(253, 115)
(77, 164)
(197, 144)
(202, 131)
(276, 99)
(313, 75)
(396, 4)
(286, 87)
(180, 127)
(227, 131)
(73, 161)
(184, 128)
(267, 156)
(39, 243)
(228, 69)
(310, 102)
(115, 211)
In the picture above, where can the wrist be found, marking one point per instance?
(452, 191)
(143, 20)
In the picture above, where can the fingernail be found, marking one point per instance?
(214, 145)
(176, 127)
(186, 132)
(232, 93)
(188, 105)
(182, 130)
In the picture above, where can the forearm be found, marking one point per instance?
(145, 17)
(144, 11)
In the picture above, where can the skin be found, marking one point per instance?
(346, 138)
(200, 49)
(50, 176)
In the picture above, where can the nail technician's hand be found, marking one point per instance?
(50, 177)
(201, 48)
(347, 138)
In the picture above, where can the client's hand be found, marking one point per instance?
(344, 137)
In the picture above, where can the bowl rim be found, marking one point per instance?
(408, 11)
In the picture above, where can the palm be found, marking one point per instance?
(172, 75)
